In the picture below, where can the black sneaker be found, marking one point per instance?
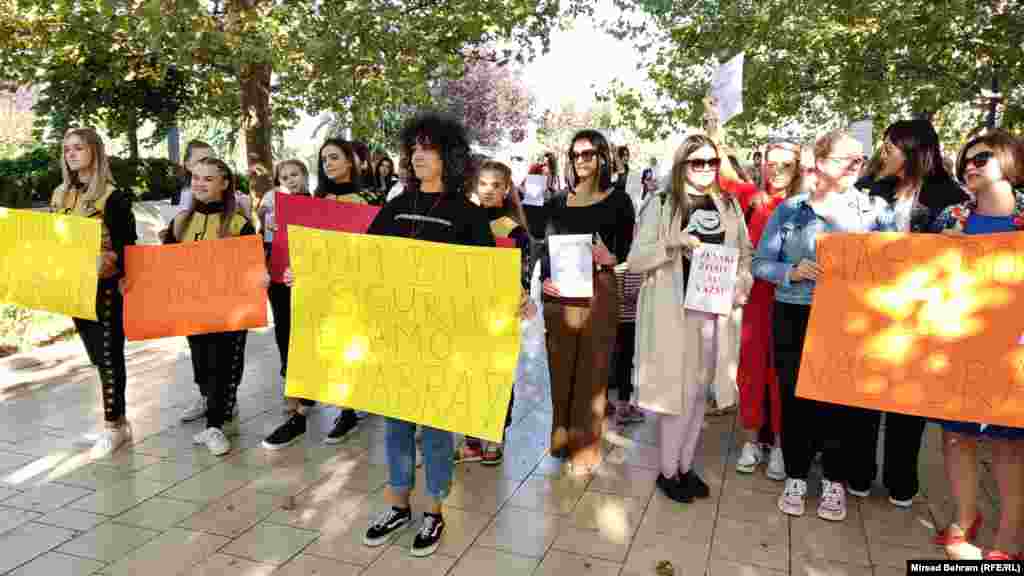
(386, 525)
(287, 433)
(345, 423)
(694, 485)
(674, 489)
(429, 537)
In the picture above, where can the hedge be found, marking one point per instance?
(32, 178)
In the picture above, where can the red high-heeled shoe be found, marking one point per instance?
(999, 555)
(944, 538)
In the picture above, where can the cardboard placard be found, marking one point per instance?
(919, 324)
(194, 288)
(48, 261)
(313, 213)
(419, 331)
(711, 286)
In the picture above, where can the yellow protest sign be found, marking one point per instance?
(48, 262)
(419, 331)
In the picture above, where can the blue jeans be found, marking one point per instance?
(438, 451)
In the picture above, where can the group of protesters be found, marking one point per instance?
(634, 331)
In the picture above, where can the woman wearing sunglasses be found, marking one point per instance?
(581, 331)
(786, 258)
(992, 166)
(760, 402)
(917, 188)
(693, 211)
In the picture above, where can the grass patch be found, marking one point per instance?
(22, 330)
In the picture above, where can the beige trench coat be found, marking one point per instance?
(662, 337)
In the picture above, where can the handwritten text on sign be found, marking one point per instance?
(919, 324)
(194, 288)
(313, 213)
(48, 262)
(712, 280)
(418, 331)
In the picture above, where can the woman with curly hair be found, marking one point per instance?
(435, 208)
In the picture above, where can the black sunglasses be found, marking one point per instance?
(701, 164)
(586, 155)
(979, 160)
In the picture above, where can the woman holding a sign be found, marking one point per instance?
(589, 231)
(88, 190)
(919, 190)
(694, 252)
(220, 356)
(786, 257)
(992, 165)
(435, 208)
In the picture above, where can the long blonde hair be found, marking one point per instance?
(100, 185)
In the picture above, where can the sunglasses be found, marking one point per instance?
(703, 165)
(585, 155)
(781, 166)
(853, 162)
(979, 160)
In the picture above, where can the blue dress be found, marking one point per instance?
(979, 224)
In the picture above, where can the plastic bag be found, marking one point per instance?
(533, 379)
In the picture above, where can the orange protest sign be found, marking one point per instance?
(194, 288)
(919, 324)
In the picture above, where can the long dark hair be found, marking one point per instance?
(392, 177)
(230, 205)
(325, 185)
(604, 158)
(919, 143)
(452, 142)
(678, 194)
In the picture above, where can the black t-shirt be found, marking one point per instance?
(435, 218)
(704, 222)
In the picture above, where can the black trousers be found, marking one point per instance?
(280, 296)
(807, 424)
(625, 346)
(104, 342)
(902, 446)
(220, 361)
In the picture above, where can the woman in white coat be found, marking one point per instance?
(681, 352)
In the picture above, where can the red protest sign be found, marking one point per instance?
(313, 213)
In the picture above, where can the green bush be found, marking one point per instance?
(33, 177)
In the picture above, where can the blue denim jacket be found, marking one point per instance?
(791, 236)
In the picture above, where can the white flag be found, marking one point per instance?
(727, 88)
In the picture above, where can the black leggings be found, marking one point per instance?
(281, 305)
(104, 343)
(625, 345)
(219, 359)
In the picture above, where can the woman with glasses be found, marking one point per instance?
(693, 211)
(992, 165)
(786, 257)
(918, 190)
(581, 331)
(760, 402)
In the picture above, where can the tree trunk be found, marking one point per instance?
(255, 124)
(133, 137)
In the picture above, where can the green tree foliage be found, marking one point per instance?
(824, 62)
(356, 58)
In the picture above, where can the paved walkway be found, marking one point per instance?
(162, 506)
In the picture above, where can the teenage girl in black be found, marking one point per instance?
(88, 190)
(220, 356)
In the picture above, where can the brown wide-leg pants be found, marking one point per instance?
(580, 341)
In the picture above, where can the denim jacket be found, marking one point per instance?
(792, 232)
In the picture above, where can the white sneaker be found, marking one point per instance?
(833, 501)
(195, 410)
(791, 501)
(110, 439)
(776, 465)
(215, 440)
(902, 503)
(750, 457)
